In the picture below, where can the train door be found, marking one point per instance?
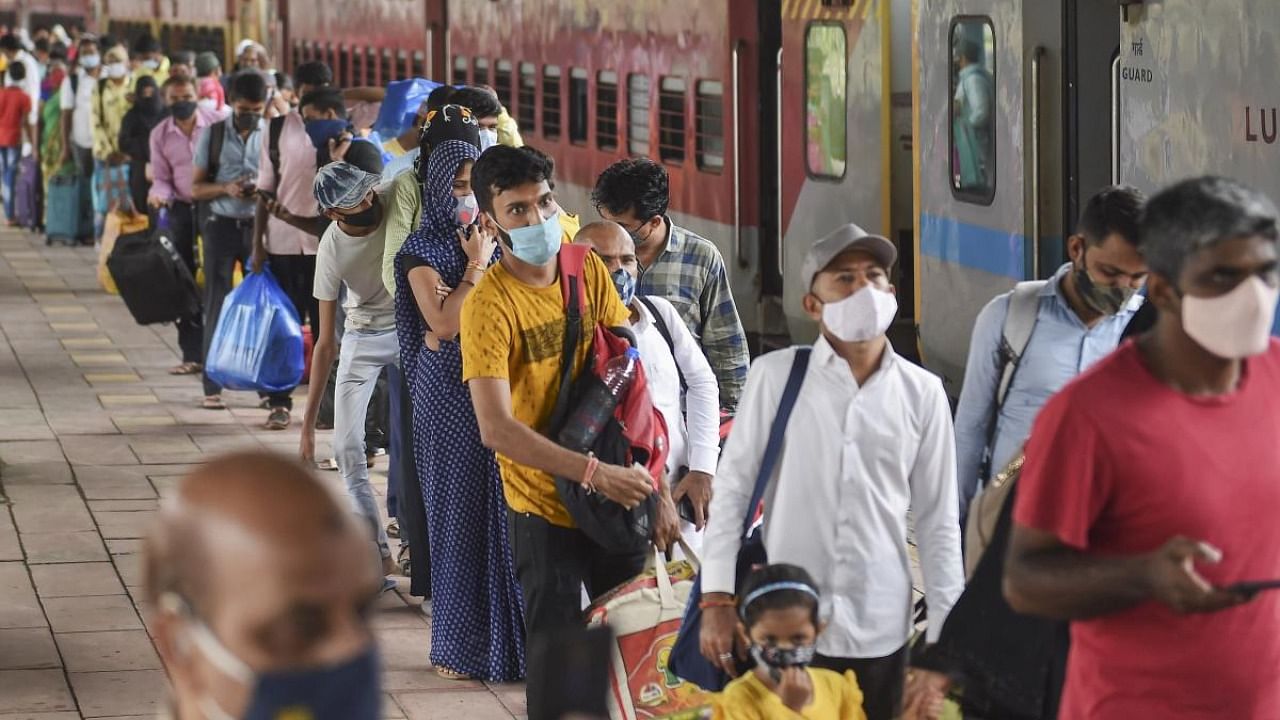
(834, 158)
(973, 228)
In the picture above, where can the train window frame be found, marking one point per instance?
(480, 71)
(368, 67)
(608, 130)
(552, 102)
(805, 109)
(669, 114)
(342, 69)
(961, 194)
(579, 100)
(503, 72)
(460, 64)
(701, 153)
(637, 140)
(419, 67)
(527, 96)
(402, 65)
(386, 67)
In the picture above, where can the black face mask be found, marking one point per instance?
(183, 110)
(247, 120)
(365, 218)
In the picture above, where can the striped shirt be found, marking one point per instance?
(690, 274)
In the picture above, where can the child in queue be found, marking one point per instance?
(778, 615)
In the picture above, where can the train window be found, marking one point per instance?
(502, 82)
(419, 68)
(638, 105)
(825, 51)
(551, 102)
(607, 110)
(671, 120)
(459, 70)
(403, 70)
(709, 126)
(527, 97)
(578, 101)
(388, 67)
(295, 58)
(480, 71)
(973, 117)
(342, 68)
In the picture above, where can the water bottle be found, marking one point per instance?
(596, 407)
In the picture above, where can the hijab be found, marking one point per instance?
(436, 236)
(150, 110)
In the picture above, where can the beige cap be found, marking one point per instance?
(844, 238)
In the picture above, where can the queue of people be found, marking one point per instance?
(1133, 548)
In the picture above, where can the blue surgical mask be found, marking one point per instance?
(89, 62)
(348, 690)
(322, 131)
(625, 282)
(536, 244)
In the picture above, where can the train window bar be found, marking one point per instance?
(826, 110)
(639, 105)
(480, 71)
(973, 117)
(388, 67)
(419, 64)
(459, 70)
(551, 111)
(527, 98)
(708, 126)
(607, 111)
(502, 82)
(671, 120)
(579, 101)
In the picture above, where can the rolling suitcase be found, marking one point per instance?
(68, 218)
(153, 281)
(26, 194)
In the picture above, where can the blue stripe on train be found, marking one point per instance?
(973, 246)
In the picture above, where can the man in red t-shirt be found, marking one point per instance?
(1152, 482)
(15, 105)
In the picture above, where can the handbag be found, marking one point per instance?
(984, 514)
(687, 661)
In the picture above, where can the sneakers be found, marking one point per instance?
(278, 419)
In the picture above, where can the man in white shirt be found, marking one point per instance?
(76, 102)
(870, 437)
(351, 254)
(681, 381)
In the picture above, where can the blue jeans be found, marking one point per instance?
(9, 158)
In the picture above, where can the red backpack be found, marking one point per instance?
(636, 433)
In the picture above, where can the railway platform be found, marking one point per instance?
(93, 433)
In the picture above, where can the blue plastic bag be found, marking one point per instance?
(258, 342)
(401, 105)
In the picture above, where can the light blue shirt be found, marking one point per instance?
(239, 159)
(1061, 347)
(404, 163)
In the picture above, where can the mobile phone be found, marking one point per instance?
(684, 508)
(1253, 587)
(265, 194)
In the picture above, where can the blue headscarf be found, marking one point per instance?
(435, 242)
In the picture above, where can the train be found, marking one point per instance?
(971, 132)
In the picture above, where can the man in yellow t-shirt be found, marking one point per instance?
(512, 337)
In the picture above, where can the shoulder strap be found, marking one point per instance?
(1019, 322)
(572, 266)
(777, 434)
(217, 136)
(661, 323)
(75, 84)
(273, 144)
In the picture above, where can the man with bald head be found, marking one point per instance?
(258, 581)
(681, 381)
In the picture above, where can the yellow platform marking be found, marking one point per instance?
(65, 310)
(86, 342)
(74, 327)
(112, 377)
(105, 358)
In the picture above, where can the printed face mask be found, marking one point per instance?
(1236, 325)
(1106, 300)
(467, 210)
(862, 316)
(536, 244)
(777, 659)
(625, 282)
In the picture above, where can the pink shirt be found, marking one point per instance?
(292, 188)
(172, 153)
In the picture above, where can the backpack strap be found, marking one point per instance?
(217, 136)
(75, 85)
(1019, 323)
(274, 131)
(777, 433)
(572, 262)
(661, 324)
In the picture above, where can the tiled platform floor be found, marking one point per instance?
(93, 431)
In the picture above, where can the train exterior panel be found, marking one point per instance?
(1197, 93)
(364, 41)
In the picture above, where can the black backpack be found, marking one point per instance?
(152, 278)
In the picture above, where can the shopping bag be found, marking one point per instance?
(118, 223)
(400, 105)
(258, 341)
(645, 616)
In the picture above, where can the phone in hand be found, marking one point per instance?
(265, 194)
(684, 508)
(1253, 587)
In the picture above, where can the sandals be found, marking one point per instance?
(448, 674)
(186, 368)
(213, 402)
(278, 419)
(328, 465)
